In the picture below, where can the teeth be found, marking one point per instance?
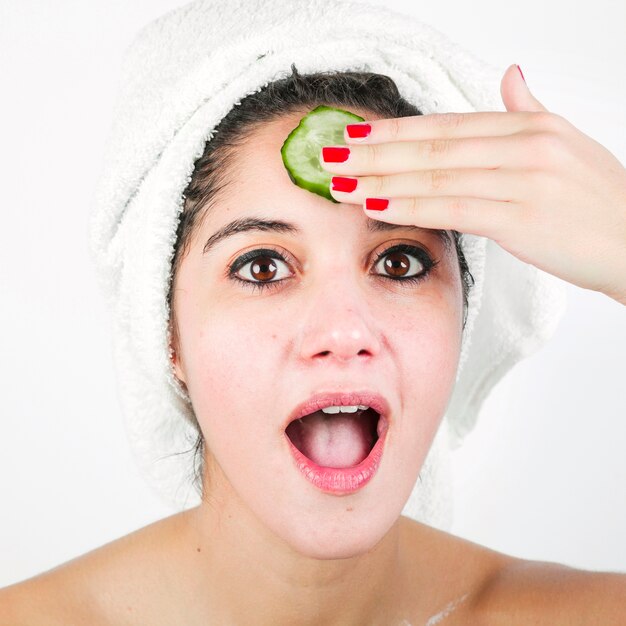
(345, 409)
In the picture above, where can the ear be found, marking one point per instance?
(178, 370)
(175, 358)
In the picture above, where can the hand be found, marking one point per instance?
(525, 178)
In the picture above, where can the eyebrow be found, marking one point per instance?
(247, 224)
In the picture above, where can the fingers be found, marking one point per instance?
(486, 218)
(470, 172)
(502, 184)
(403, 156)
(450, 125)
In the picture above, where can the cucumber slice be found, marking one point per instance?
(323, 126)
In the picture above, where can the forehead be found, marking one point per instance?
(255, 166)
(256, 175)
(271, 134)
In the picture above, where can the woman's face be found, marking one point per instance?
(329, 318)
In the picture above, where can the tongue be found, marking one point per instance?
(340, 440)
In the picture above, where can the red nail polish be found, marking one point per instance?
(358, 130)
(376, 204)
(335, 155)
(520, 71)
(341, 183)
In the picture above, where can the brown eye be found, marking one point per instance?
(404, 262)
(400, 264)
(396, 264)
(258, 267)
(263, 268)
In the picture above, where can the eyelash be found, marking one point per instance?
(422, 256)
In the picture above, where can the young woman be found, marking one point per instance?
(283, 303)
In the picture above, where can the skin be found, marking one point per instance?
(248, 358)
(266, 547)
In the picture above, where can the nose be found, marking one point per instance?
(339, 327)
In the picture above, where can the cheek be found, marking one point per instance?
(229, 368)
(431, 358)
(429, 349)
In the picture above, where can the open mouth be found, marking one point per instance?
(338, 440)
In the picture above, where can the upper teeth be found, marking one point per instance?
(345, 409)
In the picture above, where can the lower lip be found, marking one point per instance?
(342, 480)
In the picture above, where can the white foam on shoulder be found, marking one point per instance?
(451, 606)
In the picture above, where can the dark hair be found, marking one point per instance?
(376, 93)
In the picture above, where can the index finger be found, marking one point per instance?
(417, 127)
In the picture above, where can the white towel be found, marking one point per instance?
(180, 76)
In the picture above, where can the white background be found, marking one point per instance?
(543, 476)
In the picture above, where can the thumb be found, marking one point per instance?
(515, 93)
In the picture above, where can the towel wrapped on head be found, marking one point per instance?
(180, 76)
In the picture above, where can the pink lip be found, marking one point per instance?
(343, 480)
(329, 398)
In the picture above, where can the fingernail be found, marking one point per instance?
(335, 155)
(376, 204)
(358, 130)
(341, 183)
(520, 71)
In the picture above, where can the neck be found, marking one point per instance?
(244, 573)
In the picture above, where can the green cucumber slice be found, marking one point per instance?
(323, 126)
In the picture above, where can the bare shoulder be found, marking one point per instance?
(550, 594)
(477, 586)
(451, 571)
(99, 588)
